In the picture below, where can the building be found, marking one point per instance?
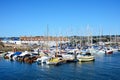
(43, 39)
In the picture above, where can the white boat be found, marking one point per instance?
(100, 52)
(109, 50)
(85, 58)
(43, 59)
(115, 50)
(68, 56)
(8, 55)
(92, 51)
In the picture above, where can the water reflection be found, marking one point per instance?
(44, 65)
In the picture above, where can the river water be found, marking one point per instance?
(105, 67)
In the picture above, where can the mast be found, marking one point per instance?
(110, 40)
(115, 39)
(56, 46)
(100, 35)
(88, 35)
(91, 38)
(47, 36)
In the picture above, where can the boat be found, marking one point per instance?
(69, 57)
(55, 61)
(42, 59)
(8, 55)
(109, 50)
(85, 58)
(21, 56)
(14, 56)
(100, 52)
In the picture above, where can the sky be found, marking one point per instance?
(62, 17)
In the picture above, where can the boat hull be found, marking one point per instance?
(86, 58)
(109, 52)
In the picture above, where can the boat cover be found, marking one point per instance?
(17, 53)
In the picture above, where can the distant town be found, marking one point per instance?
(42, 39)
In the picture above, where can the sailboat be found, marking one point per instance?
(108, 50)
(88, 56)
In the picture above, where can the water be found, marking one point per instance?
(103, 68)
